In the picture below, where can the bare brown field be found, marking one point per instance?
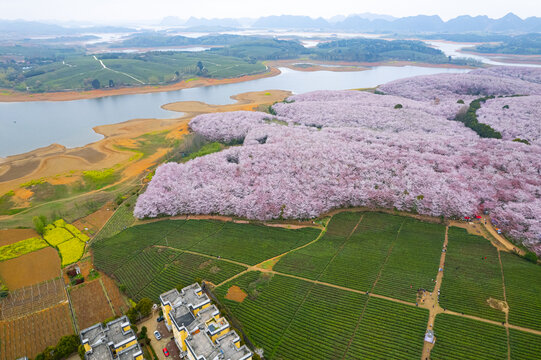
(96, 220)
(118, 300)
(90, 304)
(31, 268)
(30, 299)
(31, 334)
(11, 236)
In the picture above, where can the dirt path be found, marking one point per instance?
(431, 301)
(261, 266)
(506, 310)
(487, 224)
(118, 72)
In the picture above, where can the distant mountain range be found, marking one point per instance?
(368, 22)
(411, 24)
(34, 28)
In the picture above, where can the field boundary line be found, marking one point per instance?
(107, 297)
(387, 257)
(341, 248)
(356, 329)
(292, 318)
(72, 312)
(322, 232)
(507, 304)
(135, 253)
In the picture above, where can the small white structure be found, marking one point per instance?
(429, 336)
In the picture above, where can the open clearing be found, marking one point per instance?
(236, 294)
(349, 291)
(31, 268)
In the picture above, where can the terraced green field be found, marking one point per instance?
(472, 276)
(148, 260)
(185, 270)
(461, 338)
(359, 263)
(77, 72)
(523, 289)
(524, 345)
(312, 260)
(290, 318)
(413, 262)
(389, 330)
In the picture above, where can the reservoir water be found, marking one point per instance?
(26, 126)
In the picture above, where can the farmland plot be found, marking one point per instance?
(32, 298)
(389, 330)
(413, 262)
(472, 276)
(90, 304)
(312, 260)
(23, 337)
(461, 338)
(186, 269)
(362, 257)
(523, 289)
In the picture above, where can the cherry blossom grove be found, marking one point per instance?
(466, 87)
(531, 74)
(335, 149)
(514, 117)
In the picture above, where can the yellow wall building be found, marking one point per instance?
(198, 328)
(116, 340)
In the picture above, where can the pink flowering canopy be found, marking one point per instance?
(333, 149)
(515, 117)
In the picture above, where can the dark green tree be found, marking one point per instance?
(96, 84)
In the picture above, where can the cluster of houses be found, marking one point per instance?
(198, 329)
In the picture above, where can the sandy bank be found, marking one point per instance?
(58, 162)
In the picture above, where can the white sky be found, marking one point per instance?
(106, 11)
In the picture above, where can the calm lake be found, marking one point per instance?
(26, 126)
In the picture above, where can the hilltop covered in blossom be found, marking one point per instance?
(515, 117)
(454, 87)
(332, 149)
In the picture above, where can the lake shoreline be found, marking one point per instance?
(57, 160)
(8, 95)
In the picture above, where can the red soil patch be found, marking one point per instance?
(235, 293)
(11, 236)
(31, 268)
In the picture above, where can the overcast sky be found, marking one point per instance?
(132, 10)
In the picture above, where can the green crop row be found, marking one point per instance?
(523, 290)
(389, 330)
(472, 275)
(461, 338)
(186, 269)
(413, 262)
